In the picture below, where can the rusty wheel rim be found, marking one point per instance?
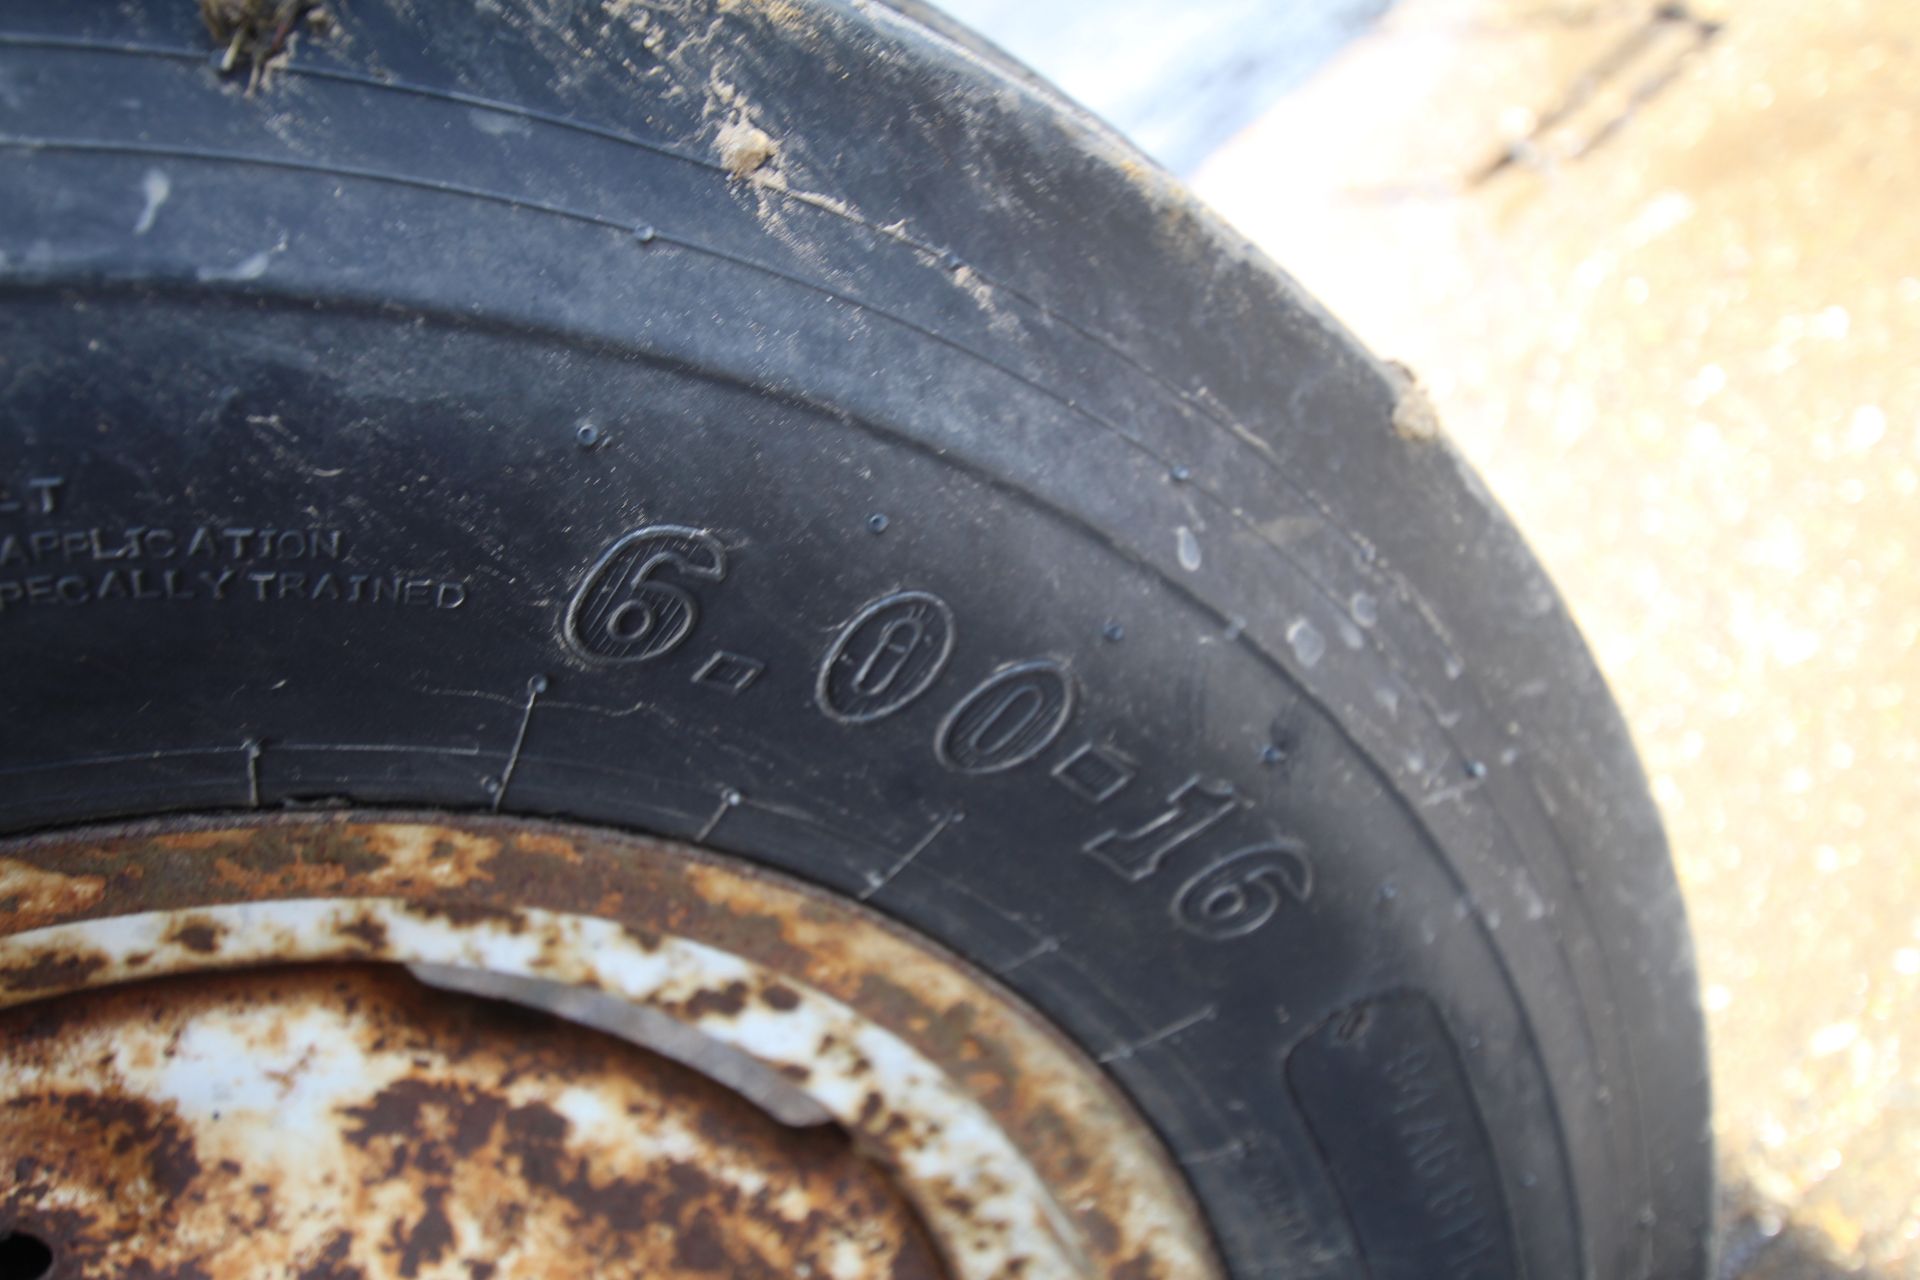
(279, 1045)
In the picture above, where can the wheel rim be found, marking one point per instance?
(966, 1137)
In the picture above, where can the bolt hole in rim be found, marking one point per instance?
(24, 1256)
(1010, 1151)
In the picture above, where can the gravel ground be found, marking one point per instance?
(1659, 268)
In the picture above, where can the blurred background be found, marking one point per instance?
(1659, 267)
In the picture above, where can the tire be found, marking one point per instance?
(782, 428)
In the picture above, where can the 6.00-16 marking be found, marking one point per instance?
(890, 654)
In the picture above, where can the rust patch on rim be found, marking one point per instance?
(1018, 1154)
(343, 1120)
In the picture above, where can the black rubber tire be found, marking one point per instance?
(779, 426)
